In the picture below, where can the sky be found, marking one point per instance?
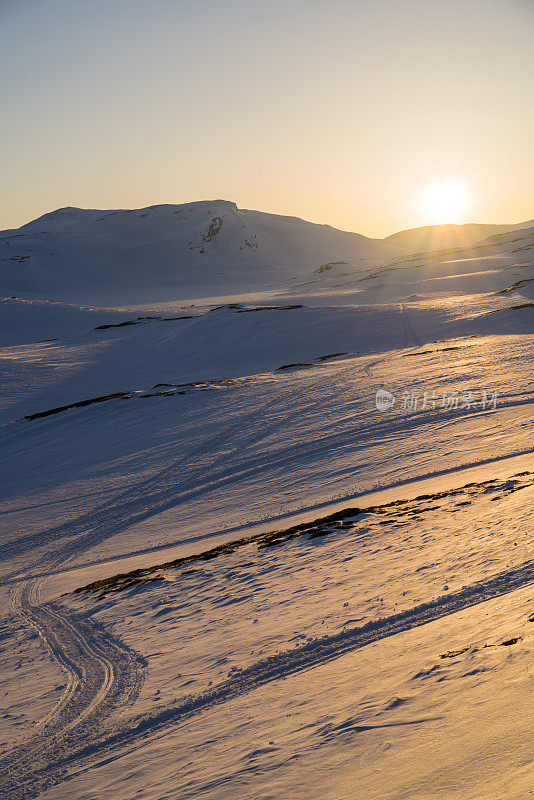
(346, 112)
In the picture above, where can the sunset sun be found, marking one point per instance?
(445, 201)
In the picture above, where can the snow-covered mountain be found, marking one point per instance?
(81, 254)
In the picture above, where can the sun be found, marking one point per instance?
(445, 201)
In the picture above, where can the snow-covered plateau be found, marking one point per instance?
(229, 571)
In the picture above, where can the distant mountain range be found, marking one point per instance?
(170, 250)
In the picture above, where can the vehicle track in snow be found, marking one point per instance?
(103, 677)
(166, 492)
(181, 480)
(314, 653)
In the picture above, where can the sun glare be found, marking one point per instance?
(445, 201)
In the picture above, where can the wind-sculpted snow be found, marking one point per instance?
(321, 650)
(332, 524)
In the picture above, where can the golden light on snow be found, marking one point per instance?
(445, 201)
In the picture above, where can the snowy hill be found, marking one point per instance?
(87, 255)
(436, 237)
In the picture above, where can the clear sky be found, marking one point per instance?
(345, 111)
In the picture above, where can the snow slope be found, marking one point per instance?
(24, 320)
(436, 237)
(478, 276)
(232, 574)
